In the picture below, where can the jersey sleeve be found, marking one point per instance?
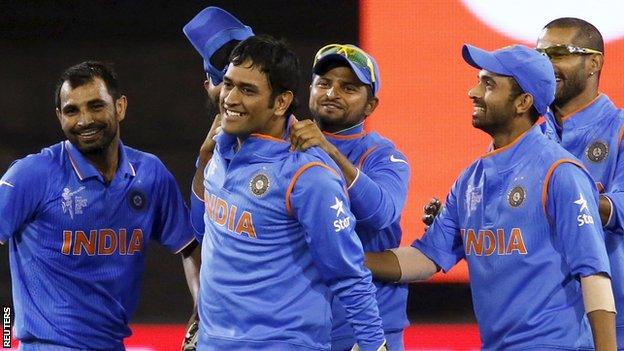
(319, 203)
(572, 208)
(173, 229)
(615, 193)
(197, 216)
(378, 194)
(22, 189)
(442, 242)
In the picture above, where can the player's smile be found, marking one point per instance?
(91, 134)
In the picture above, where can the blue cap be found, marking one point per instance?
(209, 31)
(532, 70)
(363, 65)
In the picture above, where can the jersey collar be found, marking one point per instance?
(354, 132)
(84, 169)
(513, 152)
(586, 115)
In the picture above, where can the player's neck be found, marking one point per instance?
(508, 135)
(576, 103)
(107, 161)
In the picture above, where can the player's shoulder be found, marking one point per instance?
(143, 161)
(313, 161)
(377, 145)
(47, 160)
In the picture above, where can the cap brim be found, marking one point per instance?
(322, 63)
(482, 59)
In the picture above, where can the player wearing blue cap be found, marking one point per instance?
(591, 127)
(524, 217)
(78, 216)
(279, 242)
(213, 32)
(343, 93)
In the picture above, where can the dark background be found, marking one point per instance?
(162, 76)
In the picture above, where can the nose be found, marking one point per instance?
(232, 97)
(331, 92)
(84, 119)
(475, 92)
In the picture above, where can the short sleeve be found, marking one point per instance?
(442, 243)
(572, 207)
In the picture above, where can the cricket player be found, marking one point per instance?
(279, 242)
(587, 124)
(343, 94)
(213, 32)
(77, 218)
(524, 217)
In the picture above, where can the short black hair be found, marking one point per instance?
(587, 35)
(274, 58)
(86, 72)
(516, 91)
(331, 64)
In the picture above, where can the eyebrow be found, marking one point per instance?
(241, 84)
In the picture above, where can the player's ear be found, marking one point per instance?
(120, 108)
(371, 105)
(282, 102)
(523, 103)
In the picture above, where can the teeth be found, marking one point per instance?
(234, 113)
(89, 132)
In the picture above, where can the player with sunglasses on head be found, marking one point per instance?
(591, 127)
(343, 93)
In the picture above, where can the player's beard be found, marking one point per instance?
(99, 147)
(571, 86)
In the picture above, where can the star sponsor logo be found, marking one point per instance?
(340, 223)
(597, 151)
(583, 218)
(396, 160)
(72, 203)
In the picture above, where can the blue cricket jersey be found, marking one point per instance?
(525, 219)
(594, 135)
(377, 198)
(279, 244)
(77, 245)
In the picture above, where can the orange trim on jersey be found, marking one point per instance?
(600, 187)
(345, 137)
(500, 149)
(547, 180)
(267, 137)
(620, 137)
(296, 176)
(365, 155)
(565, 118)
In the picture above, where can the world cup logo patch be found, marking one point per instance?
(137, 200)
(597, 151)
(516, 196)
(259, 184)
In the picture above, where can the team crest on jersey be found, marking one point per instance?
(137, 199)
(516, 196)
(473, 197)
(73, 203)
(259, 184)
(597, 151)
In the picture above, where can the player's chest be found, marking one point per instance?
(596, 147)
(248, 202)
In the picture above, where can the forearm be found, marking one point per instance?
(191, 261)
(383, 265)
(349, 171)
(600, 308)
